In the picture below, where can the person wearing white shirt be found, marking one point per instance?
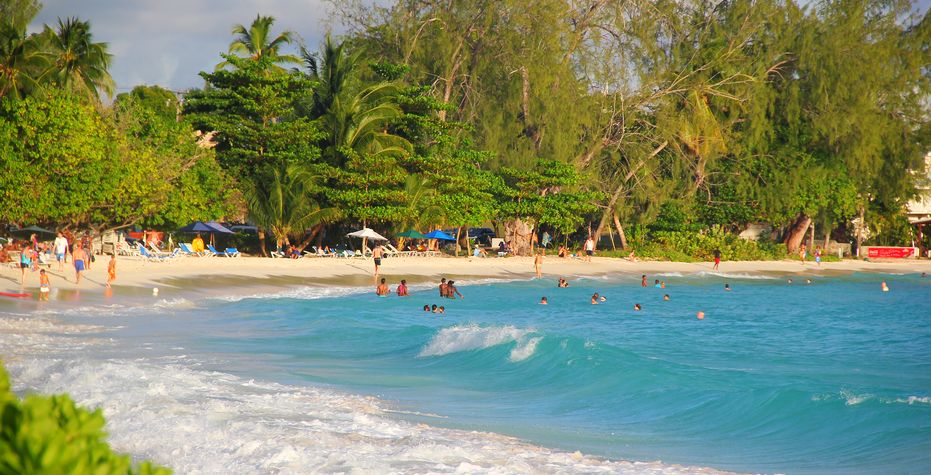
(61, 248)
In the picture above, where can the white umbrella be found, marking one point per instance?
(367, 233)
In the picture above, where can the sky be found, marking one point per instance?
(167, 42)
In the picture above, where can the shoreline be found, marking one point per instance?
(211, 275)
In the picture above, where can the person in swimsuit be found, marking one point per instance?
(543, 301)
(77, 254)
(636, 307)
(377, 254)
(595, 299)
(111, 270)
(402, 289)
(443, 287)
(538, 264)
(382, 290)
(451, 291)
(44, 286)
(24, 263)
(643, 280)
(717, 258)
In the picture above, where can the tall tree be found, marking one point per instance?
(256, 43)
(22, 57)
(78, 64)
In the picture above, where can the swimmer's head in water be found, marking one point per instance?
(442, 309)
(789, 281)
(602, 298)
(637, 307)
(700, 315)
(434, 307)
(727, 286)
(426, 308)
(666, 297)
(543, 301)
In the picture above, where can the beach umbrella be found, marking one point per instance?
(412, 235)
(197, 227)
(33, 229)
(439, 235)
(367, 233)
(219, 228)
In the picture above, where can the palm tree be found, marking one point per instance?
(254, 43)
(77, 63)
(354, 115)
(22, 61)
(282, 203)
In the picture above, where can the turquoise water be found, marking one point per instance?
(831, 377)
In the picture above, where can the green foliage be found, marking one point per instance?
(51, 434)
(154, 98)
(695, 246)
(547, 195)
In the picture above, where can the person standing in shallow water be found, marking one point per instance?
(538, 263)
(443, 287)
(382, 289)
(402, 289)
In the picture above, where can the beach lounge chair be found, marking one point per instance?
(393, 251)
(232, 252)
(155, 258)
(186, 249)
(211, 251)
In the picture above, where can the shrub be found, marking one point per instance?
(51, 434)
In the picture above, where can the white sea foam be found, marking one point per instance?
(728, 275)
(525, 349)
(209, 422)
(471, 337)
(915, 400)
(300, 293)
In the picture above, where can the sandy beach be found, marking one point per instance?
(219, 272)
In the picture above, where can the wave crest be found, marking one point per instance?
(473, 337)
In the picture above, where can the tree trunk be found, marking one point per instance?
(458, 237)
(262, 242)
(811, 240)
(796, 233)
(620, 232)
(860, 226)
(314, 231)
(519, 233)
(827, 236)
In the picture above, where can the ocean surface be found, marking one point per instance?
(828, 377)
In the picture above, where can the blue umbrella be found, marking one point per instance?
(219, 228)
(197, 227)
(439, 235)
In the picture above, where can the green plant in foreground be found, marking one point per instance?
(52, 435)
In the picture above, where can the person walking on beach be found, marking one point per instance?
(88, 250)
(61, 249)
(818, 256)
(77, 254)
(589, 248)
(717, 258)
(111, 270)
(538, 263)
(802, 253)
(377, 253)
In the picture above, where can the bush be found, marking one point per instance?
(51, 434)
(693, 246)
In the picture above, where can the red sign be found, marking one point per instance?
(891, 252)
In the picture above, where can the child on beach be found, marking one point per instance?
(111, 270)
(818, 255)
(44, 286)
